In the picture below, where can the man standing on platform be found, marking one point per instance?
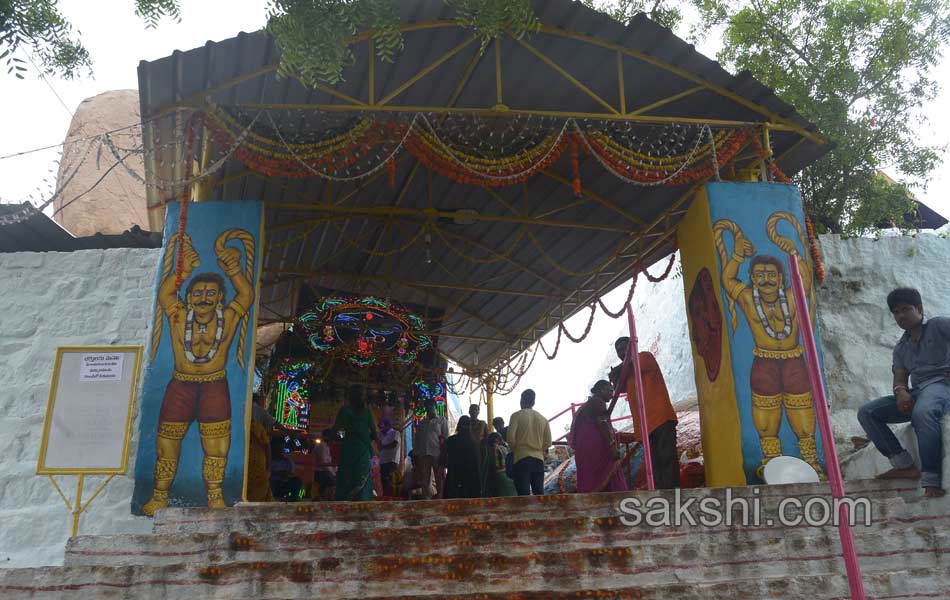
(431, 433)
(529, 437)
(921, 366)
(479, 430)
(661, 418)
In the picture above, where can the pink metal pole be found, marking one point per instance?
(827, 437)
(633, 357)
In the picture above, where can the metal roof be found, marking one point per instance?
(39, 233)
(529, 255)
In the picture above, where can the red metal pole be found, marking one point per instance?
(851, 563)
(633, 357)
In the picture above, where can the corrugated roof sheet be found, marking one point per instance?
(39, 233)
(496, 287)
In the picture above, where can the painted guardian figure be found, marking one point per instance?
(202, 327)
(779, 378)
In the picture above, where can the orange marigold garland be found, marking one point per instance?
(575, 166)
(698, 168)
(370, 138)
(184, 198)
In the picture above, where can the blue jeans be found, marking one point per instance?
(931, 403)
(529, 476)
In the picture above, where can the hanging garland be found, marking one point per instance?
(666, 272)
(675, 154)
(183, 200)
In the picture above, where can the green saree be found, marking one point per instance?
(354, 475)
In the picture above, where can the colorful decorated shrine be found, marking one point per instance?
(501, 187)
(292, 393)
(340, 341)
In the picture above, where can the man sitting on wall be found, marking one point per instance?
(921, 393)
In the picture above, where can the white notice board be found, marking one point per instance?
(89, 413)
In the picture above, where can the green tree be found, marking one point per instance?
(310, 33)
(860, 70)
(38, 27)
(666, 13)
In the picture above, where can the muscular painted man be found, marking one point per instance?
(202, 329)
(778, 378)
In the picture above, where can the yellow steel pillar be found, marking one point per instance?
(489, 384)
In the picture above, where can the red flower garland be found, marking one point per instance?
(184, 198)
(575, 166)
(384, 137)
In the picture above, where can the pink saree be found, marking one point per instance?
(597, 469)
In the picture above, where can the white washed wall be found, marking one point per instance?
(91, 297)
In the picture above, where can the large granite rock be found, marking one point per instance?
(116, 203)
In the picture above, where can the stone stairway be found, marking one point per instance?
(550, 547)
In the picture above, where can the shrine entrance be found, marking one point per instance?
(492, 190)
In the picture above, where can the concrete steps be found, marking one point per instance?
(573, 534)
(549, 547)
(334, 516)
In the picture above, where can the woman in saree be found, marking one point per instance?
(596, 453)
(462, 479)
(354, 474)
(495, 481)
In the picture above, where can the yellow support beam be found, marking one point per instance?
(465, 287)
(395, 211)
(620, 84)
(563, 72)
(371, 85)
(492, 112)
(656, 62)
(498, 79)
(667, 100)
(593, 196)
(426, 70)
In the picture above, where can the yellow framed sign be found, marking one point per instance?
(89, 412)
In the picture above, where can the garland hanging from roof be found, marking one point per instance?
(484, 151)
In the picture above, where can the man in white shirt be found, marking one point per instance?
(388, 454)
(427, 449)
(529, 437)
